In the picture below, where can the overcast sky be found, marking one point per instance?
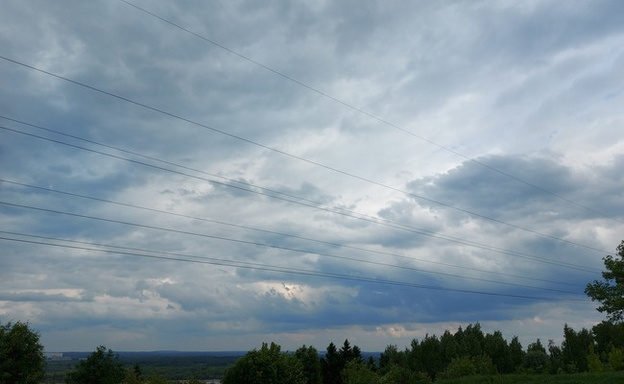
(209, 175)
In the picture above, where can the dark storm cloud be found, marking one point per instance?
(538, 185)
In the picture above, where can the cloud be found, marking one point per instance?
(306, 172)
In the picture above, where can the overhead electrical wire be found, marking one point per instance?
(239, 182)
(83, 246)
(252, 142)
(260, 266)
(251, 243)
(315, 205)
(249, 228)
(368, 114)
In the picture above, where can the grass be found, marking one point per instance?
(578, 378)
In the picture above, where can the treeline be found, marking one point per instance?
(466, 352)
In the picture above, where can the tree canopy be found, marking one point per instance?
(266, 365)
(101, 367)
(610, 291)
(21, 354)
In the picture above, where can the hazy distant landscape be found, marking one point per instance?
(173, 365)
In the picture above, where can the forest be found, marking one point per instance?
(467, 354)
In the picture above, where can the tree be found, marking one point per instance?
(355, 372)
(348, 353)
(536, 360)
(390, 358)
(331, 365)
(496, 348)
(335, 360)
(516, 353)
(309, 358)
(471, 340)
(401, 375)
(608, 336)
(430, 353)
(448, 347)
(610, 291)
(134, 375)
(21, 354)
(101, 367)
(555, 360)
(268, 365)
(459, 367)
(575, 348)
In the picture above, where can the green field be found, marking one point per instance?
(578, 378)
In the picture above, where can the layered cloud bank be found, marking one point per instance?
(208, 176)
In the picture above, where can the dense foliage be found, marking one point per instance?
(21, 354)
(266, 365)
(101, 367)
(467, 352)
(610, 291)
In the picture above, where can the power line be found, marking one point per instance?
(252, 142)
(256, 244)
(272, 191)
(368, 114)
(306, 203)
(239, 226)
(272, 268)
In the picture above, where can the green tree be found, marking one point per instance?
(536, 360)
(471, 341)
(593, 361)
(268, 365)
(390, 358)
(134, 375)
(616, 359)
(448, 348)
(537, 346)
(156, 378)
(101, 367)
(459, 367)
(335, 360)
(401, 375)
(355, 372)
(414, 357)
(430, 355)
(610, 291)
(607, 336)
(575, 348)
(516, 353)
(496, 348)
(348, 353)
(21, 354)
(555, 359)
(331, 365)
(484, 365)
(309, 358)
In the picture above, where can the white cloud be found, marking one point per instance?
(261, 173)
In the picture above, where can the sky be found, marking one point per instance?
(211, 175)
